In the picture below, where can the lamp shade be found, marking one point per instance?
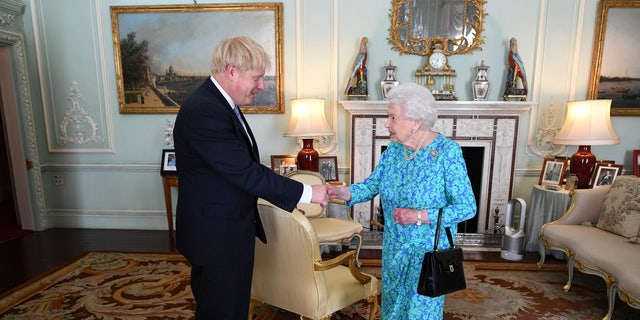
(307, 119)
(587, 123)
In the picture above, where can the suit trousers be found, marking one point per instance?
(222, 293)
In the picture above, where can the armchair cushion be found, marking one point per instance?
(621, 207)
(334, 229)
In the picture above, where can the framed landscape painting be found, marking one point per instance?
(615, 69)
(163, 52)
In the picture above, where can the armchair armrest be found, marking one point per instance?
(586, 205)
(350, 257)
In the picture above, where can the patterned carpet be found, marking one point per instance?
(156, 286)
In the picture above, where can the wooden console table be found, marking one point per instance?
(168, 182)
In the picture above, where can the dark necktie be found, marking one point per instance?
(236, 110)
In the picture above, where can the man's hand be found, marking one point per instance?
(320, 195)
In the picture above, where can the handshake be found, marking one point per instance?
(323, 193)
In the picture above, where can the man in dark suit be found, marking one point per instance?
(221, 179)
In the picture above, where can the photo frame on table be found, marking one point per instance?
(636, 163)
(168, 162)
(328, 167)
(610, 76)
(283, 163)
(604, 174)
(552, 171)
(158, 64)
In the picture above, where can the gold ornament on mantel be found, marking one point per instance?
(437, 75)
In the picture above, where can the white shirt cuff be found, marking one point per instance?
(307, 193)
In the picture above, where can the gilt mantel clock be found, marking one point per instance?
(437, 75)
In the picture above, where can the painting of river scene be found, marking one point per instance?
(624, 93)
(615, 72)
(163, 53)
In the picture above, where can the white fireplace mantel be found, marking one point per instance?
(445, 107)
(492, 125)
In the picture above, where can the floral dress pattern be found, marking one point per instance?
(435, 178)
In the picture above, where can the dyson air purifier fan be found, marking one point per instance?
(513, 238)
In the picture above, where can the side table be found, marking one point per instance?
(544, 205)
(169, 181)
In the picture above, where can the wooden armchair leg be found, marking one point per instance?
(253, 304)
(373, 307)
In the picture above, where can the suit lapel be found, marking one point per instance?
(240, 129)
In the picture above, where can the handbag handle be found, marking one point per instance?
(447, 229)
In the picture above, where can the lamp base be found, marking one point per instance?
(308, 157)
(582, 164)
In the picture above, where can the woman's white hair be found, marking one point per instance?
(417, 102)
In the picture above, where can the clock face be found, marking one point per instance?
(437, 60)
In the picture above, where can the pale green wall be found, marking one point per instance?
(120, 187)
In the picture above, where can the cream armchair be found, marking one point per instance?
(330, 231)
(289, 272)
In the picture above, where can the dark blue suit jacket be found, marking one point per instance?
(220, 180)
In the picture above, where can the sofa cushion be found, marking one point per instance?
(621, 207)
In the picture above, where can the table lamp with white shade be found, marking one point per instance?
(307, 121)
(587, 123)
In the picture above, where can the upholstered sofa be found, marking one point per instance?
(599, 235)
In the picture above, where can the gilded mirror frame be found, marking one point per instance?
(405, 42)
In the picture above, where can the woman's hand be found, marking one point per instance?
(338, 192)
(405, 216)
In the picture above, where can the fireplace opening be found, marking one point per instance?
(474, 159)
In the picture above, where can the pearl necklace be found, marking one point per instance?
(413, 155)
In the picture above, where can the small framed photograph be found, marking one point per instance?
(286, 168)
(636, 163)
(552, 171)
(282, 159)
(168, 163)
(604, 174)
(328, 167)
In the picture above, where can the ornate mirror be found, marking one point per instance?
(416, 25)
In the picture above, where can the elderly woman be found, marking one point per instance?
(420, 172)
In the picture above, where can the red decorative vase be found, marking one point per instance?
(582, 164)
(308, 157)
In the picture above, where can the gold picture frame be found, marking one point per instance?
(609, 78)
(163, 52)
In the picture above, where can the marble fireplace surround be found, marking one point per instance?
(489, 124)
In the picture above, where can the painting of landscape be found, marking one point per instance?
(615, 71)
(163, 53)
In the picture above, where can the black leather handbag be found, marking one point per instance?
(442, 270)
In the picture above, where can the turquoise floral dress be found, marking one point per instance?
(435, 178)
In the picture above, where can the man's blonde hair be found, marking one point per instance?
(241, 52)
